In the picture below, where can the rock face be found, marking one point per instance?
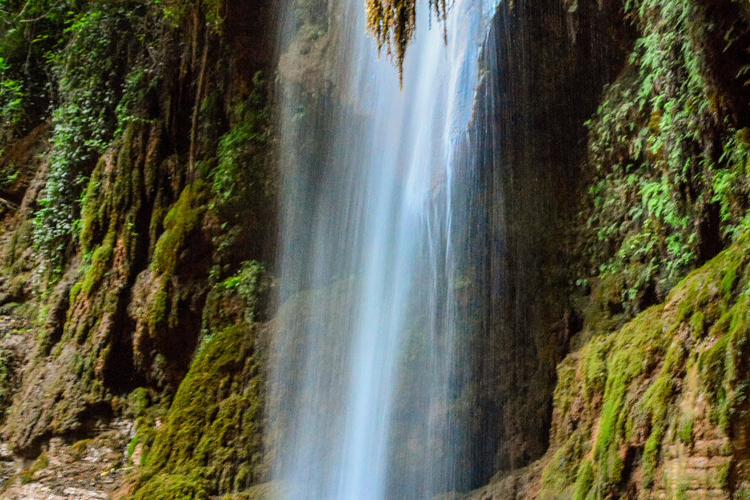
(575, 241)
(90, 469)
(545, 66)
(657, 409)
(134, 302)
(152, 250)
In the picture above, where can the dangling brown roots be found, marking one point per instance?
(393, 22)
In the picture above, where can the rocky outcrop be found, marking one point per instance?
(581, 241)
(171, 190)
(545, 64)
(656, 409)
(90, 469)
(577, 237)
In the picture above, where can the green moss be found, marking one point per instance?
(74, 291)
(5, 382)
(682, 489)
(697, 324)
(158, 311)
(632, 354)
(264, 491)
(728, 280)
(181, 220)
(42, 462)
(655, 404)
(100, 264)
(138, 401)
(79, 448)
(566, 390)
(595, 366)
(91, 209)
(712, 366)
(584, 481)
(174, 487)
(563, 466)
(685, 430)
(131, 446)
(722, 474)
(21, 240)
(633, 380)
(212, 431)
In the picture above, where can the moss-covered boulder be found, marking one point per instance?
(658, 408)
(211, 439)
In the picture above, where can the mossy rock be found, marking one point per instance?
(173, 487)
(211, 440)
(618, 399)
(181, 220)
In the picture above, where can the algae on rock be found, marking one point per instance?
(635, 404)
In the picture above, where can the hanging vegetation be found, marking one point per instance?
(393, 23)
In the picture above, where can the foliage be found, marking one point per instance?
(663, 198)
(141, 80)
(30, 30)
(11, 105)
(182, 220)
(242, 167)
(118, 162)
(251, 284)
(244, 181)
(88, 71)
(175, 12)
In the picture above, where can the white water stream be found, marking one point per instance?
(367, 355)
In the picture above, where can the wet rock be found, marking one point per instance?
(88, 469)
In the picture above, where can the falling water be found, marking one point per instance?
(366, 399)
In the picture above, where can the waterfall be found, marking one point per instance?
(366, 398)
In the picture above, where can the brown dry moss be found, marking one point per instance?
(393, 22)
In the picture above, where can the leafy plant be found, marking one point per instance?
(11, 105)
(662, 198)
(89, 71)
(251, 284)
(242, 152)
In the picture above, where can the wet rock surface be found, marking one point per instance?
(67, 468)
(88, 469)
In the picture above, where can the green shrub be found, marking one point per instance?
(656, 187)
(11, 105)
(90, 80)
(251, 284)
(243, 179)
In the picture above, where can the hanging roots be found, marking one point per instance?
(393, 22)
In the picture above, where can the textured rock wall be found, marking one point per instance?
(167, 259)
(636, 411)
(636, 391)
(545, 64)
